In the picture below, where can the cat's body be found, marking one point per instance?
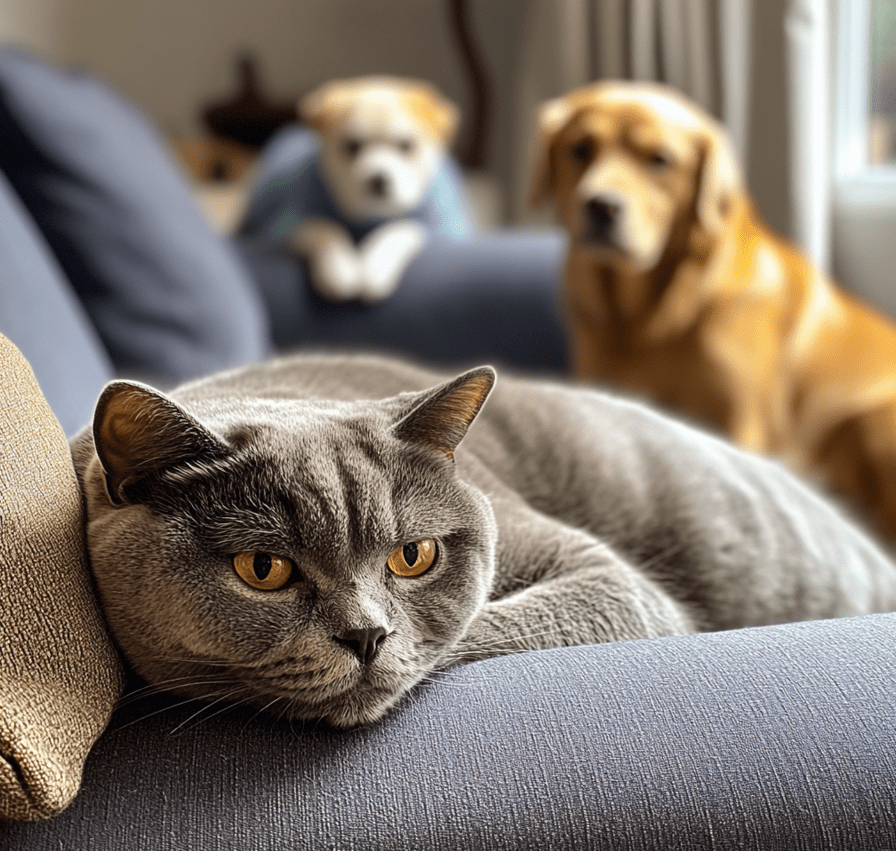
(564, 517)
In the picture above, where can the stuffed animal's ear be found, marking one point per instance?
(441, 418)
(552, 116)
(323, 107)
(719, 180)
(138, 431)
(433, 110)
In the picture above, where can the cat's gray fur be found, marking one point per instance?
(566, 516)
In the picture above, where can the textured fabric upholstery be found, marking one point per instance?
(772, 738)
(59, 676)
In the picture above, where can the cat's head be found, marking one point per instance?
(318, 558)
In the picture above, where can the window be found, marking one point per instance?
(866, 89)
(882, 83)
(864, 191)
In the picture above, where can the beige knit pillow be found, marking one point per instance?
(59, 675)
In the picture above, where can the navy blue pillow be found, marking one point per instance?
(167, 294)
(41, 315)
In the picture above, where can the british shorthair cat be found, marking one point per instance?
(317, 534)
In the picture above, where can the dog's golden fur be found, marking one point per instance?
(676, 290)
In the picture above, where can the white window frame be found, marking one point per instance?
(864, 195)
(853, 101)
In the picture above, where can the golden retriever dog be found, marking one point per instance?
(383, 141)
(676, 290)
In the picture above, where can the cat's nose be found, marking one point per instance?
(362, 642)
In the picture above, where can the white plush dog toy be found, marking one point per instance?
(378, 185)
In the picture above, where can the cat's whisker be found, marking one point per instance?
(480, 654)
(229, 705)
(288, 713)
(129, 697)
(493, 648)
(524, 636)
(171, 686)
(157, 712)
(442, 675)
(263, 709)
(662, 555)
(201, 709)
(433, 681)
(220, 663)
(168, 686)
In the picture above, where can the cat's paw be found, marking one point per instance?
(385, 255)
(334, 263)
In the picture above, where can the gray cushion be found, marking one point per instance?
(43, 317)
(167, 295)
(774, 738)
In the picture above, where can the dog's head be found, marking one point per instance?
(629, 165)
(383, 141)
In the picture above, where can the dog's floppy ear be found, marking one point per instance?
(551, 117)
(433, 110)
(719, 180)
(326, 105)
(323, 107)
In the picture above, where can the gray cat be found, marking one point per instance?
(264, 536)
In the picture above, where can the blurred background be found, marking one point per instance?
(807, 87)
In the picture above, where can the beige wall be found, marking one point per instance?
(34, 23)
(173, 55)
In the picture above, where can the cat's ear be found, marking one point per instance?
(138, 430)
(441, 416)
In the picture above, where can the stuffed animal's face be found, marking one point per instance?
(383, 142)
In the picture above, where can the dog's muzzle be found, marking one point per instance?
(602, 216)
(378, 186)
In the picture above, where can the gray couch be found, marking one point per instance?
(774, 738)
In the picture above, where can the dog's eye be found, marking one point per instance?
(583, 151)
(659, 160)
(352, 147)
(406, 146)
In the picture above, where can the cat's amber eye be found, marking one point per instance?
(414, 558)
(262, 570)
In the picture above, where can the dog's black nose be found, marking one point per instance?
(378, 185)
(602, 215)
(362, 642)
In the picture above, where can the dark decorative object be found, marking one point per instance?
(472, 149)
(249, 118)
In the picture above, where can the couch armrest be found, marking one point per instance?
(494, 297)
(776, 738)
